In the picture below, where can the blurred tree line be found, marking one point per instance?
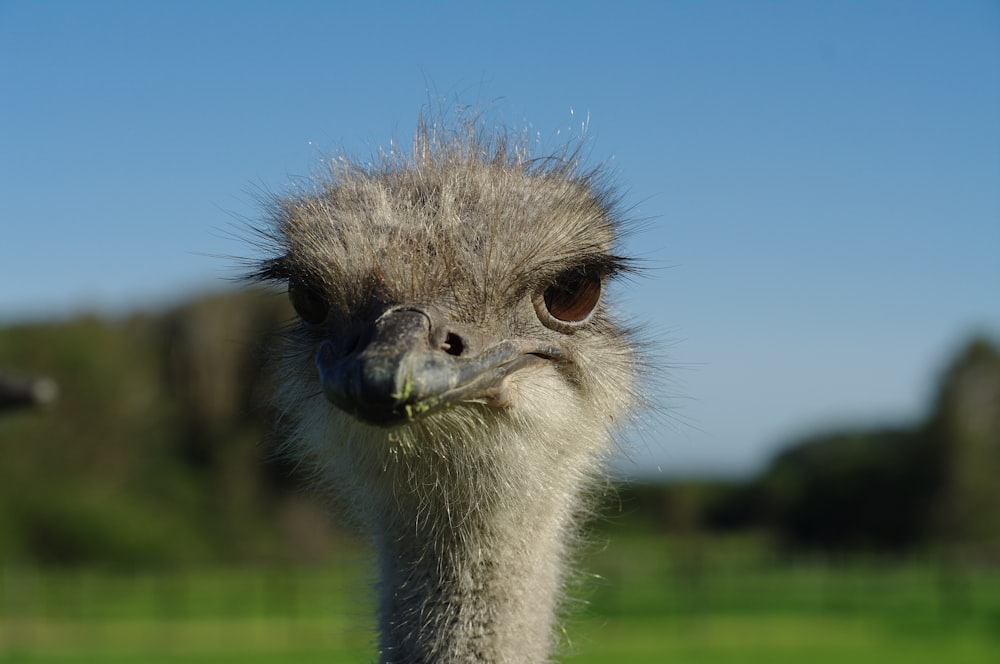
(159, 451)
(934, 485)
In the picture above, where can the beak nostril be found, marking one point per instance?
(453, 344)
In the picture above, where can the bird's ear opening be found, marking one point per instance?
(308, 303)
(570, 299)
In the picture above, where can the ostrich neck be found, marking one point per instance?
(473, 582)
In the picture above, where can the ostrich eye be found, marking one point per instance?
(570, 299)
(308, 304)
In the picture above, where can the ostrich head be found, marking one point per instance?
(454, 375)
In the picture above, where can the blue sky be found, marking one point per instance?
(820, 181)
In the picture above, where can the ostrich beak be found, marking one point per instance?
(399, 375)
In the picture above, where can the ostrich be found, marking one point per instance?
(454, 374)
(18, 391)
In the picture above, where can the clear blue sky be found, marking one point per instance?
(821, 180)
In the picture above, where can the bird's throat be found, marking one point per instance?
(486, 590)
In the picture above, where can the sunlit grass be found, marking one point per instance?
(777, 638)
(650, 601)
(213, 615)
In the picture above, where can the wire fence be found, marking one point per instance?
(184, 611)
(327, 610)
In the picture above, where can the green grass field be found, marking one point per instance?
(650, 601)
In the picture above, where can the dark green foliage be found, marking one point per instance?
(934, 484)
(896, 489)
(966, 424)
(157, 450)
(867, 489)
